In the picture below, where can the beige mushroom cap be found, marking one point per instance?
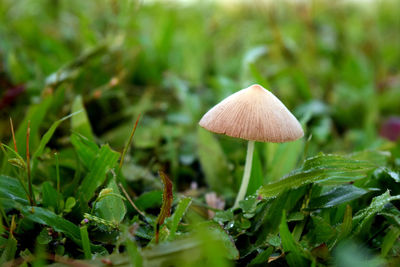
(253, 113)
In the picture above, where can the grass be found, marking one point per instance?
(79, 179)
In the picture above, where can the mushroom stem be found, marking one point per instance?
(246, 175)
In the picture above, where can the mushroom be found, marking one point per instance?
(253, 114)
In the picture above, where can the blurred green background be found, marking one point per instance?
(334, 64)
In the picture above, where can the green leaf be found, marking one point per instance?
(102, 163)
(85, 242)
(69, 204)
(262, 257)
(249, 205)
(148, 200)
(273, 240)
(177, 216)
(133, 252)
(362, 219)
(323, 231)
(217, 232)
(80, 123)
(43, 216)
(213, 161)
(111, 207)
(293, 251)
(282, 158)
(36, 114)
(44, 237)
(9, 250)
(46, 138)
(51, 198)
(223, 216)
(85, 148)
(322, 168)
(347, 224)
(389, 240)
(337, 196)
(11, 188)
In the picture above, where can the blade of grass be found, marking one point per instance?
(85, 242)
(28, 167)
(180, 211)
(13, 135)
(102, 163)
(134, 254)
(121, 162)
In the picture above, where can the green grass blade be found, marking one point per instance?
(180, 211)
(389, 240)
(134, 254)
(85, 242)
(47, 136)
(102, 163)
(294, 255)
(80, 123)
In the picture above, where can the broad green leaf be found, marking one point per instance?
(177, 216)
(11, 188)
(148, 200)
(323, 231)
(43, 216)
(337, 196)
(80, 123)
(218, 233)
(213, 161)
(379, 158)
(111, 207)
(293, 251)
(332, 168)
(105, 159)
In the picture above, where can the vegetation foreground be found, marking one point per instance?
(103, 161)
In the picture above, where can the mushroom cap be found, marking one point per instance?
(253, 113)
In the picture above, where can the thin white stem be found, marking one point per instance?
(246, 175)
